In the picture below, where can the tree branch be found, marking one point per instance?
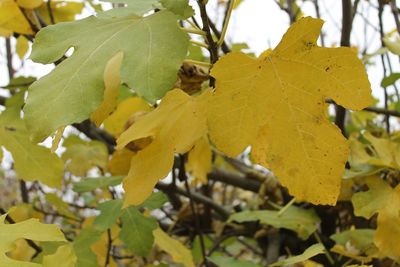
(347, 21)
(92, 132)
(221, 211)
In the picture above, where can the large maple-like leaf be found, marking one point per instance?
(174, 126)
(153, 49)
(275, 103)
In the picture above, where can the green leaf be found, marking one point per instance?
(179, 7)
(90, 184)
(110, 212)
(30, 229)
(137, 231)
(390, 80)
(21, 83)
(307, 254)
(155, 201)
(153, 47)
(303, 222)
(85, 256)
(223, 261)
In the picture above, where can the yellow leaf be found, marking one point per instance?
(199, 160)
(115, 123)
(174, 127)
(23, 212)
(22, 251)
(176, 249)
(275, 103)
(12, 19)
(120, 162)
(384, 148)
(112, 81)
(382, 151)
(29, 3)
(64, 257)
(22, 46)
(100, 248)
(57, 138)
(30, 229)
(381, 199)
(62, 11)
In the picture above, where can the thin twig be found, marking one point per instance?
(212, 46)
(381, 31)
(183, 176)
(9, 59)
(109, 247)
(228, 14)
(347, 21)
(50, 11)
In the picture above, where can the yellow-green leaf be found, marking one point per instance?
(307, 254)
(30, 229)
(176, 249)
(381, 199)
(64, 257)
(275, 103)
(112, 81)
(81, 155)
(174, 126)
(22, 46)
(32, 162)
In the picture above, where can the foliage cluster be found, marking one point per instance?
(156, 142)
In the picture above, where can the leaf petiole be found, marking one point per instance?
(194, 31)
(225, 27)
(200, 63)
(288, 205)
(199, 44)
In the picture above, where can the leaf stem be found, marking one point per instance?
(183, 176)
(194, 31)
(199, 44)
(196, 62)
(193, 24)
(327, 254)
(288, 205)
(226, 22)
